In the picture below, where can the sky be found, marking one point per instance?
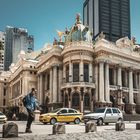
(43, 17)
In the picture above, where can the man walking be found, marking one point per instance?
(31, 104)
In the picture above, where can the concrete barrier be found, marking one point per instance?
(37, 114)
(137, 126)
(120, 126)
(10, 130)
(58, 128)
(90, 127)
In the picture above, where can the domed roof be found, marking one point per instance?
(78, 32)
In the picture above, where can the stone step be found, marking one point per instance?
(130, 117)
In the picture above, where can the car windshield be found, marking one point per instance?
(100, 110)
(54, 111)
(1, 113)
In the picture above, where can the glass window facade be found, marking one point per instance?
(110, 16)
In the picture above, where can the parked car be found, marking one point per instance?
(3, 118)
(104, 115)
(61, 115)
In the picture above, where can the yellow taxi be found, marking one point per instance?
(61, 115)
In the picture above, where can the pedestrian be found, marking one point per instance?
(30, 104)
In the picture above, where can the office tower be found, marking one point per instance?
(2, 45)
(16, 39)
(110, 16)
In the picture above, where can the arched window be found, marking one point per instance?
(66, 100)
(75, 99)
(86, 72)
(67, 73)
(76, 72)
(86, 100)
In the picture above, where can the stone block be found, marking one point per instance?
(120, 126)
(58, 128)
(10, 130)
(37, 114)
(90, 127)
(137, 126)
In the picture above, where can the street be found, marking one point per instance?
(41, 131)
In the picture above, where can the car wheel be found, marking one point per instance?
(77, 121)
(53, 121)
(44, 122)
(106, 123)
(100, 122)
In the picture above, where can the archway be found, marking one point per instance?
(75, 101)
(86, 102)
(112, 99)
(66, 100)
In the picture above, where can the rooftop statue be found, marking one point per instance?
(60, 34)
(78, 32)
(124, 42)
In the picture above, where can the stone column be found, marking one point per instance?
(101, 82)
(64, 73)
(54, 84)
(90, 72)
(91, 101)
(41, 89)
(135, 80)
(96, 82)
(38, 87)
(114, 76)
(131, 101)
(81, 71)
(82, 102)
(46, 81)
(60, 83)
(51, 87)
(119, 74)
(126, 79)
(130, 107)
(70, 71)
(107, 90)
(138, 97)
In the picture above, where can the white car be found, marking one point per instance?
(3, 118)
(104, 115)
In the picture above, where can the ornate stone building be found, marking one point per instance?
(78, 73)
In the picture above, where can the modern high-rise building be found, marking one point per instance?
(2, 46)
(16, 39)
(109, 16)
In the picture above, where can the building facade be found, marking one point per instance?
(16, 39)
(109, 16)
(82, 74)
(2, 46)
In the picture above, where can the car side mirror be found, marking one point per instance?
(58, 113)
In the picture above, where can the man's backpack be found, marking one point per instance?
(24, 101)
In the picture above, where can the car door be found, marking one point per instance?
(62, 115)
(71, 115)
(116, 114)
(108, 115)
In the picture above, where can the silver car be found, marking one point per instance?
(104, 115)
(3, 118)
